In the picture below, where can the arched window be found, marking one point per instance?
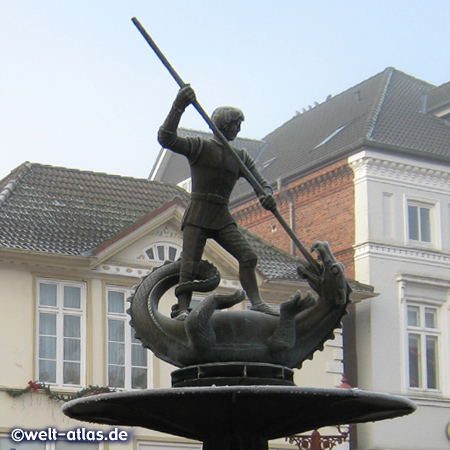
(163, 251)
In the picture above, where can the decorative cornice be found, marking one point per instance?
(400, 173)
(128, 271)
(324, 178)
(418, 279)
(298, 187)
(403, 253)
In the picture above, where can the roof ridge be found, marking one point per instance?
(94, 173)
(8, 189)
(375, 111)
(87, 172)
(434, 88)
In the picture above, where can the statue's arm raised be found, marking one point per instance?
(167, 134)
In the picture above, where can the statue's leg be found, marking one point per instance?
(232, 240)
(194, 240)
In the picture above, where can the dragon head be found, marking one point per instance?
(329, 280)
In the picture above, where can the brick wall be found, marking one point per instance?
(323, 210)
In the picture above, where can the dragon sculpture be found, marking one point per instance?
(208, 335)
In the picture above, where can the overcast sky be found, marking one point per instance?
(80, 88)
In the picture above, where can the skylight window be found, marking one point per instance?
(331, 136)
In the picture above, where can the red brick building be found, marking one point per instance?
(319, 206)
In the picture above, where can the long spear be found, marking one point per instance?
(248, 175)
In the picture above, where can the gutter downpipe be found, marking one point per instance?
(290, 202)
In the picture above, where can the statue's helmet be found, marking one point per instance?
(223, 115)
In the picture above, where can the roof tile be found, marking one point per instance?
(68, 211)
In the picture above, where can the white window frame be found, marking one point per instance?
(424, 332)
(426, 292)
(435, 223)
(166, 246)
(60, 311)
(128, 343)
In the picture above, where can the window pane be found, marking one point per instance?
(414, 360)
(72, 297)
(172, 253)
(161, 256)
(116, 302)
(138, 355)
(116, 376)
(413, 316)
(138, 378)
(430, 318)
(72, 350)
(47, 347)
(71, 373)
(47, 294)
(150, 254)
(425, 229)
(72, 326)
(47, 371)
(432, 362)
(116, 353)
(47, 324)
(413, 221)
(116, 330)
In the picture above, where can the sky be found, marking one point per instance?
(80, 88)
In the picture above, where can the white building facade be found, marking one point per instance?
(402, 248)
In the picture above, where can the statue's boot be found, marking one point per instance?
(247, 277)
(264, 308)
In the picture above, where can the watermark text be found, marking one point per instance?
(75, 435)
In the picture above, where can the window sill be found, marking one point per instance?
(428, 398)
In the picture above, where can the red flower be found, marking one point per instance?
(33, 386)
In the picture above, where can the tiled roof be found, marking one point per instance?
(383, 111)
(71, 212)
(273, 263)
(176, 168)
(438, 97)
(67, 211)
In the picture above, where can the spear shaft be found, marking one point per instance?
(248, 175)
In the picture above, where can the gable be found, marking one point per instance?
(154, 241)
(152, 248)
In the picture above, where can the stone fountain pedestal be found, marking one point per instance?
(230, 416)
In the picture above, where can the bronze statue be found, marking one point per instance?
(235, 387)
(214, 173)
(204, 337)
